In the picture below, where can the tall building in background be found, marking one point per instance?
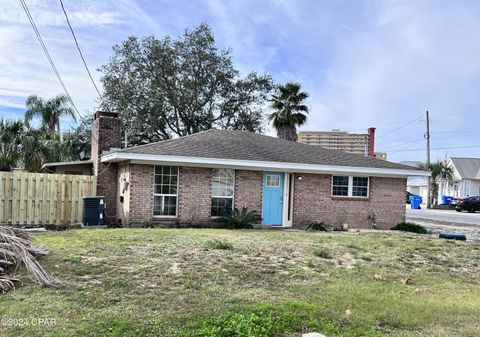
(358, 143)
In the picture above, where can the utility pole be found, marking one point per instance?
(427, 137)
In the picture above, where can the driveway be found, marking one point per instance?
(445, 217)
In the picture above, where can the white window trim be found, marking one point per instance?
(222, 196)
(165, 195)
(350, 188)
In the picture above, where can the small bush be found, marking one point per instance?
(241, 219)
(217, 244)
(323, 253)
(319, 226)
(410, 227)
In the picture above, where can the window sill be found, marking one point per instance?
(165, 217)
(351, 198)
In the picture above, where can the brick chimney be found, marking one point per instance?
(106, 135)
(371, 142)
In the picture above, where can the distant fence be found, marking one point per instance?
(32, 199)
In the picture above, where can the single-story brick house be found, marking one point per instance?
(195, 178)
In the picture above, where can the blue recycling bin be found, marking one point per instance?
(415, 201)
(446, 200)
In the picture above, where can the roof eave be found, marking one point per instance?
(67, 163)
(259, 165)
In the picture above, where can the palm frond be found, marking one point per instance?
(16, 251)
(50, 111)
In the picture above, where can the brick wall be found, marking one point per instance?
(313, 202)
(195, 195)
(248, 190)
(106, 134)
(141, 192)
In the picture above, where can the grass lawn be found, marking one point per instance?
(250, 283)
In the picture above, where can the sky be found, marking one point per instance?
(364, 63)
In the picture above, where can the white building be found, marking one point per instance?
(417, 185)
(466, 178)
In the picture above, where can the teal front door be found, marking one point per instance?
(272, 204)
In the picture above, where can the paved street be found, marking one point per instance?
(445, 217)
(438, 221)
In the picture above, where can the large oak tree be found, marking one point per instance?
(174, 87)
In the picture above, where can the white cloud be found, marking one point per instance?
(412, 57)
(49, 13)
(25, 69)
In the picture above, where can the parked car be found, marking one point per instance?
(408, 195)
(469, 204)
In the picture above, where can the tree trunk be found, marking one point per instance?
(434, 194)
(288, 133)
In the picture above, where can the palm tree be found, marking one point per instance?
(49, 111)
(39, 147)
(33, 149)
(290, 110)
(10, 144)
(440, 171)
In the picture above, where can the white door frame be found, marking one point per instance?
(286, 223)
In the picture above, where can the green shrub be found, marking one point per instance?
(217, 244)
(410, 227)
(323, 253)
(241, 219)
(319, 226)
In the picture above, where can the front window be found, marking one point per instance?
(340, 185)
(349, 186)
(223, 181)
(165, 191)
(360, 187)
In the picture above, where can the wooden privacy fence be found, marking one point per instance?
(38, 198)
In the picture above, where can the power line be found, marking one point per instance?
(438, 148)
(47, 54)
(375, 124)
(50, 60)
(457, 132)
(80, 51)
(458, 112)
(404, 145)
(400, 127)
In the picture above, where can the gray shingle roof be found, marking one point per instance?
(468, 168)
(411, 163)
(244, 145)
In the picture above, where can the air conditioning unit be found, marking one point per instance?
(93, 211)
